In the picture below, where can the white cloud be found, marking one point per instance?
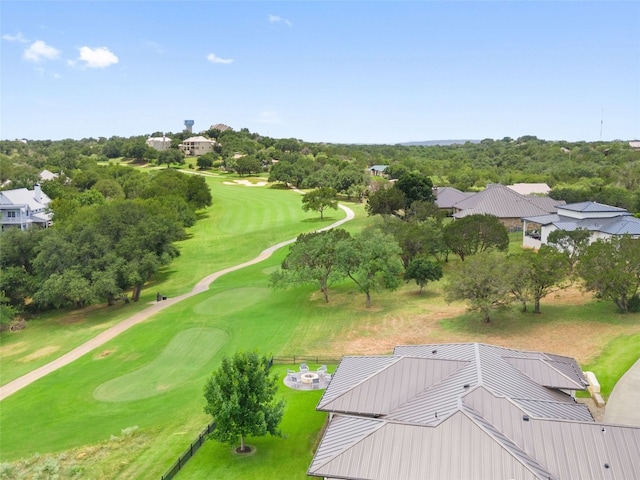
(100, 57)
(18, 37)
(40, 51)
(277, 19)
(213, 58)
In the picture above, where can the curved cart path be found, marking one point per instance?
(117, 329)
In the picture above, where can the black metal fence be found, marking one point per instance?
(193, 448)
(188, 453)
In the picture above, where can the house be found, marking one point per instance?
(506, 204)
(159, 143)
(635, 145)
(197, 145)
(530, 188)
(466, 411)
(47, 175)
(220, 126)
(447, 197)
(603, 221)
(377, 170)
(22, 208)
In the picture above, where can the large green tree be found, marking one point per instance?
(241, 399)
(475, 234)
(386, 201)
(571, 243)
(416, 188)
(483, 282)
(611, 270)
(313, 258)
(319, 200)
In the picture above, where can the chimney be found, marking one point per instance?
(37, 193)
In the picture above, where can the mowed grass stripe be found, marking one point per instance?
(187, 353)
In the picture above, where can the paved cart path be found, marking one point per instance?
(624, 401)
(117, 329)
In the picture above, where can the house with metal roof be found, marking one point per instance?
(22, 208)
(466, 411)
(447, 197)
(530, 188)
(506, 204)
(603, 221)
(377, 170)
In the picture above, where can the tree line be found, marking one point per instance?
(114, 227)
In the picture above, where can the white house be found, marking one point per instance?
(197, 145)
(22, 208)
(603, 221)
(159, 143)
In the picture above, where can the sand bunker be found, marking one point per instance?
(246, 183)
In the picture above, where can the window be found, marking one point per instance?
(11, 214)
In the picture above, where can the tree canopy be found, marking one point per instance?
(241, 399)
(319, 200)
(475, 234)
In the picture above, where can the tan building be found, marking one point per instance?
(197, 145)
(159, 143)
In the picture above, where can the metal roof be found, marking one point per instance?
(447, 197)
(623, 224)
(22, 196)
(503, 202)
(592, 207)
(467, 411)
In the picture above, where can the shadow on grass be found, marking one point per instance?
(319, 220)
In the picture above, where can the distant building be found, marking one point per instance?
(22, 208)
(197, 145)
(530, 188)
(635, 145)
(447, 197)
(47, 175)
(159, 143)
(220, 126)
(377, 170)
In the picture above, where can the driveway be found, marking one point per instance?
(623, 406)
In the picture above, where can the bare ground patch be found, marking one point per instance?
(12, 349)
(43, 352)
(104, 353)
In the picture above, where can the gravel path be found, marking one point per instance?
(117, 329)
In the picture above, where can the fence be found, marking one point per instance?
(193, 448)
(188, 453)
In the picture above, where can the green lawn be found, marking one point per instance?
(152, 376)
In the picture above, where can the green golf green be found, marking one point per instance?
(185, 354)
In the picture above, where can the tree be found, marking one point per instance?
(475, 234)
(534, 275)
(482, 281)
(313, 259)
(170, 156)
(372, 261)
(416, 187)
(247, 165)
(422, 271)
(385, 201)
(571, 243)
(205, 161)
(241, 399)
(611, 270)
(320, 199)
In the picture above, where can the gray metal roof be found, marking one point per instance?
(592, 207)
(624, 224)
(467, 411)
(447, 197)
(503, 202)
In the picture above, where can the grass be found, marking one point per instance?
(152, 375)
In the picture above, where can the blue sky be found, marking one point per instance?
(339, 71)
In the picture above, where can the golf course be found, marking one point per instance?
(129, 408)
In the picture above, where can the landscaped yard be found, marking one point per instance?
(152, 376)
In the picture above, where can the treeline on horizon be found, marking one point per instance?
(115, 226)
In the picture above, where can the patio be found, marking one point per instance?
(305, 379)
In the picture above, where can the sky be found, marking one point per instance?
(333, 71)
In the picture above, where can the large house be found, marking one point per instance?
(447, 197)
(159, 143)
(466, 411)
(506, 204)
(22, 208)
(197, 145)
(603, 221)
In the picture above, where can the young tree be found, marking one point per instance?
(385, 201)
(205, 161)
(241, 399)
(319, 200)
(482, 281)
(475, 234)
(422, 271)
(312, 259)
(611, 270)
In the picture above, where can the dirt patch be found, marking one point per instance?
(12, 349)
(105, 353)
(43, 352)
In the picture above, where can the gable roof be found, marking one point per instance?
(500, 410)
(24, 197)
(503, 202)
(530, 188)
(447, 197)
(378, 168)
(593, 207)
